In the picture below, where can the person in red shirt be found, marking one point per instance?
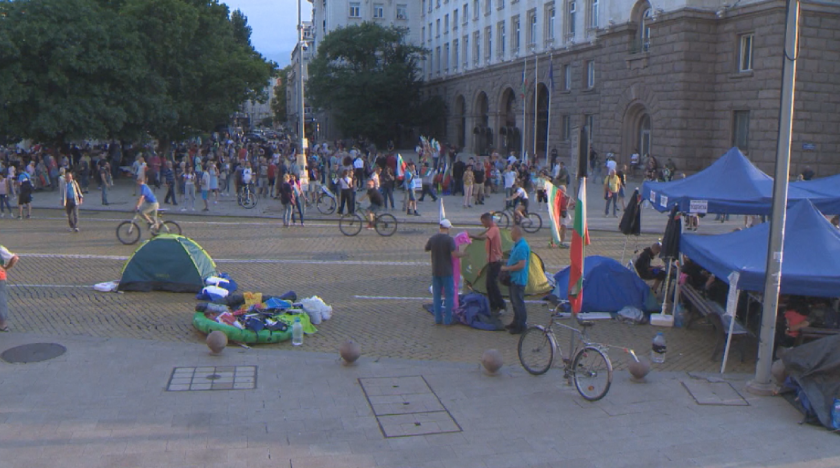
(796, 317)
(493, 247)
(272, 176)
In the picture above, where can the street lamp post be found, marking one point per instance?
(304, 174)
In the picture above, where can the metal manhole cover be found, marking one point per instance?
(212, 378)
(330, 256)
(34, 352)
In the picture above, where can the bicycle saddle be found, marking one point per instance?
(586, 323)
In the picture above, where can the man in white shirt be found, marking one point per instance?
(509, 177)
(511, 159)
(359, 171)
(247, 173)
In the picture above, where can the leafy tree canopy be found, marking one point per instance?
(368, 76)
(73, 69)
(278, 105)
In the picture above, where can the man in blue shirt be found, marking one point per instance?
(152, 204)
(517, 265)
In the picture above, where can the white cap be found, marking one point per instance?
(444, 223)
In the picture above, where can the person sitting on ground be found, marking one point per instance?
(796, 318)
(644, 268)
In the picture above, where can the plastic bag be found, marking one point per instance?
(108, 286)
(631, 314)
(215, 292)
(317, 309)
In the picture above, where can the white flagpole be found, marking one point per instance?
(536, 83)
(548, 119)
(524, 95)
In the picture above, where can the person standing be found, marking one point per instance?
(493, 247)
(8, 260)
(24, 195)
(480, 176)
(205, 188)
(442, 248)
(517, 265)
(105, 179)
(168, 177)
(387, 183)
(612, 185)
(345, 184)
(411, 201)
(189, 189)
(71, 200)
(467, 185)
(287, 199)
(428, 180)
(139, 171)
(4, 198)
(359, 170)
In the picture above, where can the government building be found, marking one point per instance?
(678, 79)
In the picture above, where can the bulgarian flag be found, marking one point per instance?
(554, 195)
(400, 167)
(580, 239)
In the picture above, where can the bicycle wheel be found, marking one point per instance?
(350, 224)
(326, 204)
(222, 184)
(501, 219)
(532, 223)
(128, 232)
(385, 225)
(593, 373)
(536, 350)
(170, 227)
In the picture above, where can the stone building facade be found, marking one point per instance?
(684, 80)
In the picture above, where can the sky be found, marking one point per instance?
(274, 25)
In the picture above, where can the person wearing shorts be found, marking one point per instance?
(7, 261)
(377, 201)
(24, 194)
(151, 204)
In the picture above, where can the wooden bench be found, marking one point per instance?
(699, 304)
(811, 333)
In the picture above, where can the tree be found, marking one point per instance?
(278, 105)
(368, 76)
(72, 69)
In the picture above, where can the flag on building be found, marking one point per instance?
(554, 217)
(580, 239)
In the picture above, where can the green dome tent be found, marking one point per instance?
(167, 262)
(474, 271)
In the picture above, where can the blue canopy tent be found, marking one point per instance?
(608, 286)
(731, 185)
(827, 191)
(811, 265)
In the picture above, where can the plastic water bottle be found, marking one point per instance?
(297, 332)
(657, 353)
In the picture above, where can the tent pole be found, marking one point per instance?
(681, 258)
(667, 283)
(732, 314)
(762, 384)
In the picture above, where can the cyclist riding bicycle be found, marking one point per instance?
(377, 201)
(151, 204)
(520, 202)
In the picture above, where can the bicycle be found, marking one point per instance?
(325, 201)
(128, 232)
(350, 224)
(530, 223)
(587, 363)
(247, 197)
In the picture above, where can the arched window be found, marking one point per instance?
(644, 142)
(644, 30)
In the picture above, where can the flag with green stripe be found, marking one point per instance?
(580, 239)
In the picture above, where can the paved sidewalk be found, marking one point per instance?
(121, 199)
(104, 404)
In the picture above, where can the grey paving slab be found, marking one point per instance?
(714, 393)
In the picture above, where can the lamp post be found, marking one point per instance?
(303, 176)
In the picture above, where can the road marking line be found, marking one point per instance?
(51, 286)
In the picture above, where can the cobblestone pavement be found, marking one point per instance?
(52, 294)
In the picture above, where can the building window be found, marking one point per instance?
(402, 12)
(502, 38)
(486, 7)
(741, 130)
(572, 18)
(476, 47)
(590, 74)
(378, 11)
(532, 27)
(437, 58)
(644, 30)
(422, 8)
(548, 30)
(515, 39)
(455, 20)
(745, 53)
(475, 9)
(446, 24)
(455, 57)
(590, 127)
(567, 77)
(465, 46)
(423, 34)
(488, 46)
(566, 128)
(501, 4)
(355, 10)
(466, 13)
(593, 14)
(446, 57)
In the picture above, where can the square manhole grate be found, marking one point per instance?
(184, 379)
(407, 406)
(714, 393)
